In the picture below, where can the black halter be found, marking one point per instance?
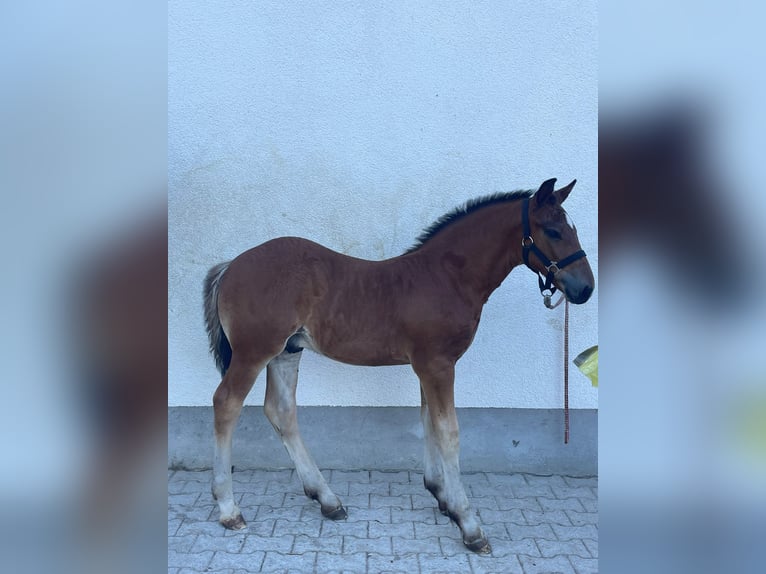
(553, 267)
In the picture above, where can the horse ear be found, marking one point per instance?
(545, 192)
(563, 193)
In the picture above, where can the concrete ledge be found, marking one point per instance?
(391, 438)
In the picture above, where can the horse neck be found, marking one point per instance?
(480, 249)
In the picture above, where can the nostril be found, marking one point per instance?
(585, 293)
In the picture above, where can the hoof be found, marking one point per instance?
(480, 545)
(236, 523)
(335, 513)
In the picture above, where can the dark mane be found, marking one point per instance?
(461, 211)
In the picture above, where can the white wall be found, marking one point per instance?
(356, 124)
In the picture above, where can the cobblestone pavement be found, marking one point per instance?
(535, 524)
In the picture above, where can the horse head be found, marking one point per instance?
(551, 246)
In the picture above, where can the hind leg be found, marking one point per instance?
(227, 405)
(280, 409)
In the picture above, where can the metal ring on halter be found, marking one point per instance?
(526, 245)
(553, 267)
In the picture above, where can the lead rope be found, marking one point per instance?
(566, 373)
(547, 301)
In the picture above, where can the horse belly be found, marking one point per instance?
(361, 347)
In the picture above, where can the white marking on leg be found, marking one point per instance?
(280, 409)
(222, 486)
(448, 441)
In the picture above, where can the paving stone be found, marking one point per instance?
(407, 563)
(282, 543)
(422, 500)
(551, 548)
(356, 488)
(266, 476)
(592, 546)
(429, 530)
(396, 488)
(584, 565)
(212, 528)
(255, 527)
(199, 486)
(576, 481)
(553, 480)
(434, 563)
(250, 562)
(198, 560)
(176, 487)
(276, 561)
(513, 547)
(494, 565)
(475, 479)
(589, 504)
(423, 515)
(411, 546)
(331, 544)
(402, 529)
(570, 532)
(401, 501)
(184, 475)
(181, 544)
(519, 532)
(394, 525)
(345, 528)
(485, 502)
(506, 479)
(574, 492)
(561, 504)
(250, 500)
(488, 516)
(293, 513)
(547, 517)
(361, 500)
(536, 565)
(353, 545)
(218, 543)
(183, 499)
(239, 475)
(201, 513)
(533, 490)
(357, 514)
(351, 563)
(358, 476)
(282, 527)
(390, 477)
(510, 503)
(580, 518)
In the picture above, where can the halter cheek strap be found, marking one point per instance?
(552, 267)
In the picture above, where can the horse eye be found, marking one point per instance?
(552, 233)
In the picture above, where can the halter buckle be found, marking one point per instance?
(524, 243)
(553, 267)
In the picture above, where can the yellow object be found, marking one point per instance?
(587, 362)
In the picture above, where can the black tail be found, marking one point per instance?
(219, 344)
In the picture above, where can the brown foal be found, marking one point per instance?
(421, 308)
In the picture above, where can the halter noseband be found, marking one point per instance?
(553, 267)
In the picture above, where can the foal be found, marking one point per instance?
(421, 308)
